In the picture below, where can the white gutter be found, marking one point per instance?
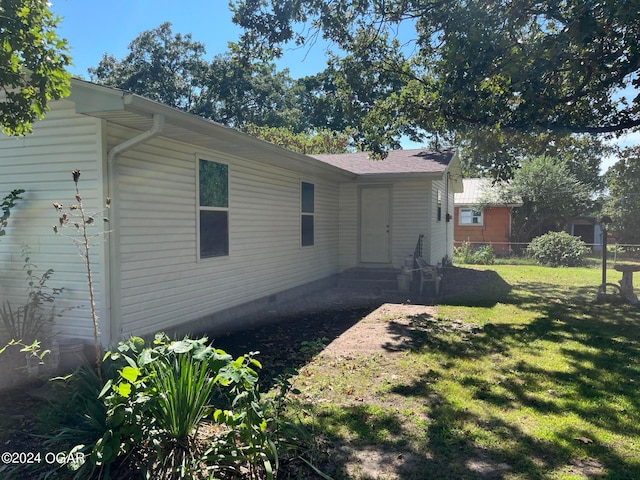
(115, 324)
(154, 131)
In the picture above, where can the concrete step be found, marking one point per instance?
(369, 279)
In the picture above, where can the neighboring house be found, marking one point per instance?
(481, 215)
(206, 223)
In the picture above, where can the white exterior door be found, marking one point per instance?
(375, 225)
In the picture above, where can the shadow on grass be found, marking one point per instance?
(292, 335)
(473, 288)
(598, 384)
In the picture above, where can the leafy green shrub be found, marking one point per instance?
(155, 404)
(463, 253)
(311, 348)
(76, 420)
(69, 424)
(482, 255)
(174, 409)
(558, 249)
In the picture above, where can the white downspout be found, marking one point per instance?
(447, 219)
(154, 131)
(115, 325)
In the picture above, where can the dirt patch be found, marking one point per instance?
(375, 463)
(387, 329)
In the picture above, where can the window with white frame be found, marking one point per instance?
(439, 206)
(307, 213)
(470, 216)
(213, 207)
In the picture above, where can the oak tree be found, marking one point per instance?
(33, 61)
(622, 202)
(489, 69)
(168, 68)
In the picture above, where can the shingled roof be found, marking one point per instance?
(397, 162)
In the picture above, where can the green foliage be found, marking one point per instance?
(558, 249)
(213, 178)
(171, 69)
(476, 68)
(242, 92)
(250, 437)
(317, 141)
(38, 293)
(172, 409)
(551, 195)
(483, 255)
(156, 396)
(487, 154)
(26, 330)
(33, 59)
(311, 348)
(24, 323)
(622, 203)
(162, 66)
(76, 421)
(358, 93)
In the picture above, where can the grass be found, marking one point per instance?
(525, 378)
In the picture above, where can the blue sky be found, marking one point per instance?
(93, 28)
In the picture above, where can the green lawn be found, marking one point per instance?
(528, 378)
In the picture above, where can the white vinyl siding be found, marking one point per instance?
(439, 241)
(162, 283)
(348, 226)
(410, 207)
(41, 164)
(413, 212)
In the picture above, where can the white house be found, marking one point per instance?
(206, 222)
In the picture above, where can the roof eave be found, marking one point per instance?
(454, 169)
(400, 176)
(487, 205)
(96, 100)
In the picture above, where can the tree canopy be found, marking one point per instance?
(309, 142)
(622, 203)
(172, 69)
(550, 195)
(33, 59)
(168, 68)
(582, 154)
(473, 67)
(246, 93)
